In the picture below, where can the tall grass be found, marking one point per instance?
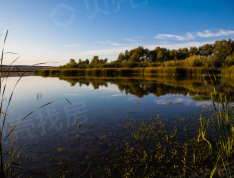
(170, 71)
(10, 163)
(222, 122)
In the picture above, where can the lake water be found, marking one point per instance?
(54, 144)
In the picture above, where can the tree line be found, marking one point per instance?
(221, 53)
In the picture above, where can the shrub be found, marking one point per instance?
(195, 61)
(217, 62)
(169, 64)
(229, 61)
(127, 64)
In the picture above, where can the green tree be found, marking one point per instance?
(134, 57)
(72, 61)
(174, 54)
(232, 45)
(153, 56)
(141, 52)
(206, 50)
(127, 56)
(193, 51)
(105, 61)
(160, 55)
(95, 60)
(167, 54)
(101, 61)
(183, 53)
(222, 49)
(121, 57)
(146, 60)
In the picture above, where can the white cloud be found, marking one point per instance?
(116, 44)
(209, 34)
(130, 40)
(108, 42)
(179, 45)
(188, 36)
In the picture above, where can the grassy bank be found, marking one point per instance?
(170, 71)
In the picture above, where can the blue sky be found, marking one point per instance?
(56, 31)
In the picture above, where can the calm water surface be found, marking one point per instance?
(101, 105)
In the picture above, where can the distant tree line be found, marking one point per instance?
(220, 54)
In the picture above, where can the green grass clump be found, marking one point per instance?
(201, 97)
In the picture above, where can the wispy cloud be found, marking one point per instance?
(179, 45)
(188, 36)
(209, 34)
(116, 44)
(74, 45)
(130, 40)
(108, 42)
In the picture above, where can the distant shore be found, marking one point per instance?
(25, 68)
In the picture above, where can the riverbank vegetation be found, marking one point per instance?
(219, 54)
(121, 72)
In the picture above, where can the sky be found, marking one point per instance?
(54, 31)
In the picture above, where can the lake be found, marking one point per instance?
(104, 125)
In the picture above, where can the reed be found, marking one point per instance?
(11, 164)
(170, 71)
(223, 124)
